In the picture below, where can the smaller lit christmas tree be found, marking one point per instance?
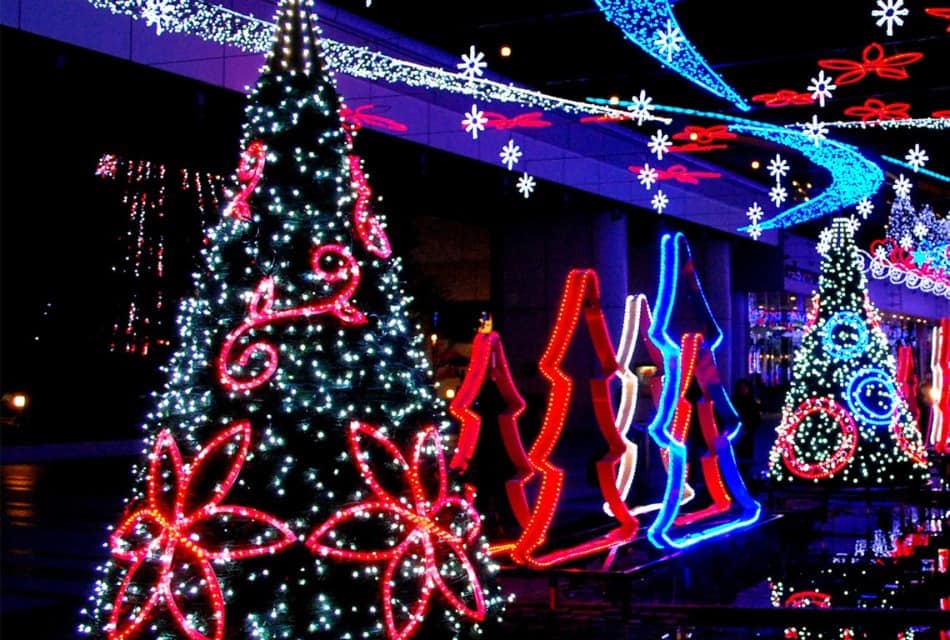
(844, 416)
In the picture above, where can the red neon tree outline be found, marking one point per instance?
(488, 361)
(581, 295)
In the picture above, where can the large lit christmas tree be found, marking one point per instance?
(844, 418)
(295, 482)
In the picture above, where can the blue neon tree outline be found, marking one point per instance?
(676, 260)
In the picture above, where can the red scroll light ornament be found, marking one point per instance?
(426, 520)
(872, 61)
(368, 228)
(261, 312)
(176, 536)
(581, 297)
(249, 171)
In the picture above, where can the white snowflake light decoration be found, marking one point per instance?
(853, 225)
(641, 106)
(906, 242)
(472, 65)
(474, 121)
(659, 201)
(510, 154)
(526, 185)
(754, 213)
(669, 41)
(659, 144)
(160, 13)
(865, 207)
(778, 195)
(889, 13)
(920, 230)
(917, 158)
(816, 130)
(647, 176)
(824, 241)
(821, 88)
(755, 230)
(902, 186)
(778, 167)
(880, 253)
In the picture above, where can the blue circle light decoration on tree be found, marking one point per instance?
(845, 336)
(872, 396)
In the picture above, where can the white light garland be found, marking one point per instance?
(883, 269)
(248, 33)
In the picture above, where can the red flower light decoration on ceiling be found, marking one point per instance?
(530, 120)
(939, 12)
(177, 536)
(874, 109)
(872, 61)
(784, 98)
(679, 173)
(360, 116)
(426, 520)
(702, 138)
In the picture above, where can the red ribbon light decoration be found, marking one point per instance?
(874, 109)
(834, 463)
(679, 173)
(702, 138)
(166, 531)
(360, 117)
(784, 98)
(260, 312)
(939, 12)
(249, 171)
(581, 295)
(368, 228)
(427, 520)
(530, 120)
(488, 361)
(873, 61)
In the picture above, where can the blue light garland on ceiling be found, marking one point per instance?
(651, 25)
(853, 177)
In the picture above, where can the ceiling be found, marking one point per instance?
(569, 49)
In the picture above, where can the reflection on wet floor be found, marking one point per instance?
(817, 567)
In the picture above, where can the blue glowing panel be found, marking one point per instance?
(853, 177)
(650, 25)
